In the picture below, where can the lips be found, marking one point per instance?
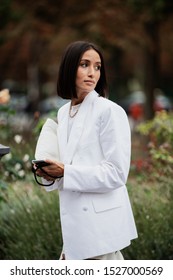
(89, 82)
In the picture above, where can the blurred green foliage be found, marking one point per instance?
(160, 133)
(153, 211)
(151, 191)
(6, 112)
(29, 224)
(29, 217)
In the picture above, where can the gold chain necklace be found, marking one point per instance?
(70, 113)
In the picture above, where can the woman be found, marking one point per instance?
(95, 146)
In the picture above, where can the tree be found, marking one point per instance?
(129, 31)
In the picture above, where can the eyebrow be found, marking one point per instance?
(87, 60)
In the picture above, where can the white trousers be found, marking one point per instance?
(111, 256)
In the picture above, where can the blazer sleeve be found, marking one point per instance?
(112, 171)
(58, 185)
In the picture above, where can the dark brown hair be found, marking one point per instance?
(66, 84)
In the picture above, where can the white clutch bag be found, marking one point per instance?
(47, 143)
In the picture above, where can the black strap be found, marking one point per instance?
(34, 170)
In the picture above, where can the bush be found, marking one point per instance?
(160, 133)
(29, 224)
(29, 216)
(153, 213)
(151, 192)
(16, 164)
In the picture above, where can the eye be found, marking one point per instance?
(98, 67)
(83, 64)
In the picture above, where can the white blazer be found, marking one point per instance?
(95, 210)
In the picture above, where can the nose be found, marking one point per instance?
(91, 71)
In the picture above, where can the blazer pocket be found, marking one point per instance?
(107, 201)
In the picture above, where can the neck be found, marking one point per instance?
(79, 99)
(76, 101)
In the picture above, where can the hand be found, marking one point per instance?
(54, 169)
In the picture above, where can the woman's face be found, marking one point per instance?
(88, 73)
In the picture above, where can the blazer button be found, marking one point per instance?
(85, 209)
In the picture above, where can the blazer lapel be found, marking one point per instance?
(77, 127)
(62, 131)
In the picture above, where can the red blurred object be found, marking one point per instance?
(136, 111)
